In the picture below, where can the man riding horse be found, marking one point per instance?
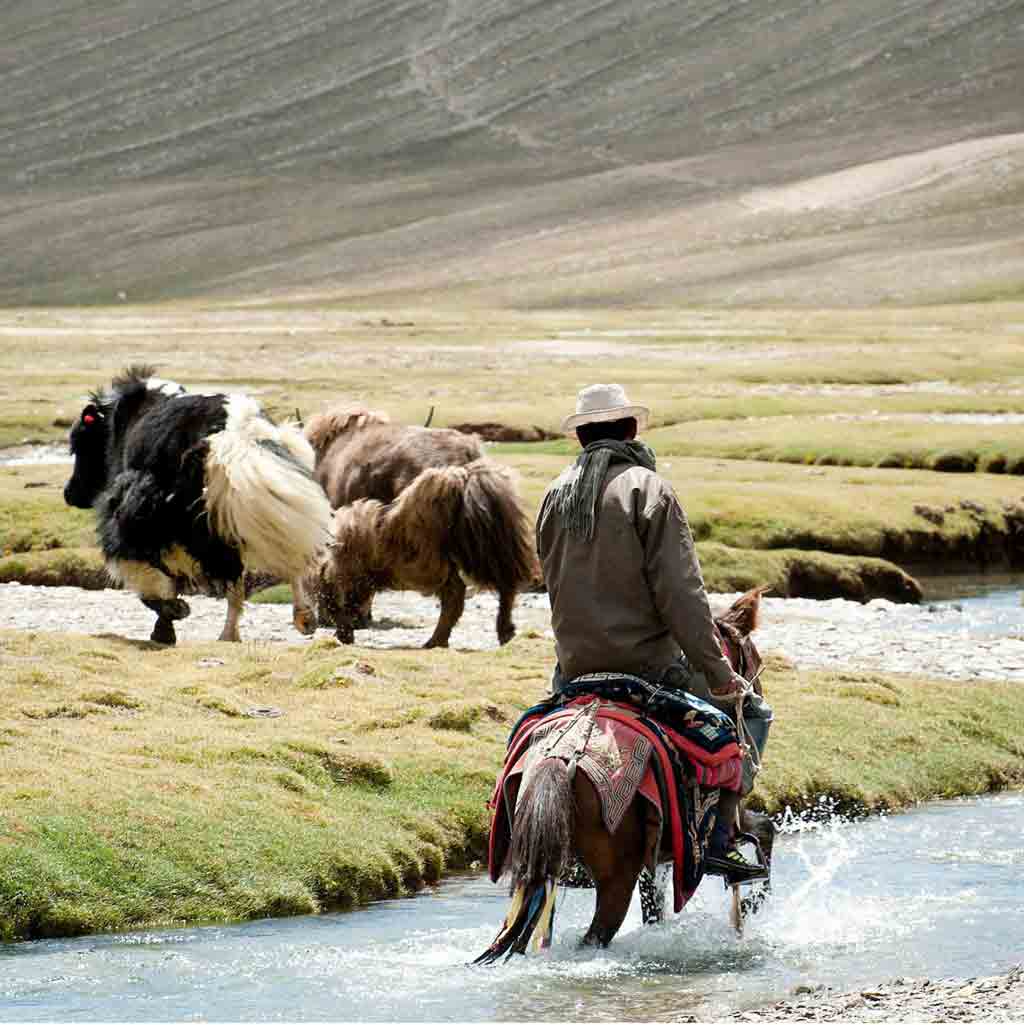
(626, 589)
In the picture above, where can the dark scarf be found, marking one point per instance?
(574, 496)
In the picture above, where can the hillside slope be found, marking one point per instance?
(525, 154)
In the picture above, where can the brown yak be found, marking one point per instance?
(407, 521)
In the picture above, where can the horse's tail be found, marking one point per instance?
(491, 540)
(538, 852)
(322, 428)
(260, 492)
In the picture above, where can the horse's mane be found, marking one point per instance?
(322, 428)
(744, 615)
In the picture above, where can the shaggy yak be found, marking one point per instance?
(417, 509)
(191, 491)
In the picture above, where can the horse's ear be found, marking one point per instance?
(745, 612)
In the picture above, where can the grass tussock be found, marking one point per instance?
(170, 811)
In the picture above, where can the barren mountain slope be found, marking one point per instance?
(517, 153)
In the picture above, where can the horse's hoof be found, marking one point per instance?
(345, 635)
(435, 643)
(504, 636)
(163, 632)
(363, 621)
(305, 622)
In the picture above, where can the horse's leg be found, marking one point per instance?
(761, 826)
(303, 613)
(236, 602)
(505, 627)
(453, 601)
(613, 861)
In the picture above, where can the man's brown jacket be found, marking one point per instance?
(630, 598)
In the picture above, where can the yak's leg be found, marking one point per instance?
(505, 627)
(363, 618)
(303, 614)
(614, 862)
(159, 593)
(236, 602)
(342, 609)
(453, 601)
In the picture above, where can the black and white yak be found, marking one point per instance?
(191, 491)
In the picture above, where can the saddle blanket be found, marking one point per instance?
(624, 755)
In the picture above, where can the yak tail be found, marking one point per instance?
(260, 492)
(538, 852)
(323, 428)
(491, 540)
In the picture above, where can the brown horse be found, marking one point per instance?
(559, 817)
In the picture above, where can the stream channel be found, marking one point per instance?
(938, 891)
(935, 892)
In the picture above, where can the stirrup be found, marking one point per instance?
(735, 867)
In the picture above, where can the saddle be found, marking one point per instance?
(613, 728)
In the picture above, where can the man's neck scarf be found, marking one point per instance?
(575, 495)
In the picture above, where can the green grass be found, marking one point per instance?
(159, 801)
(756, 522)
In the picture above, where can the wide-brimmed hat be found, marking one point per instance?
(599, 403)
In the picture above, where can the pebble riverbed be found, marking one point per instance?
(942, 640)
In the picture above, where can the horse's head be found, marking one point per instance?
(736, 625)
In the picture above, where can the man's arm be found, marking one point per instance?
(677, 587)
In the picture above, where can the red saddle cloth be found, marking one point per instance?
(622, 756)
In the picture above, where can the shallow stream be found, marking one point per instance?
(935, 892)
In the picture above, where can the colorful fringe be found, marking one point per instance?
(530, 915)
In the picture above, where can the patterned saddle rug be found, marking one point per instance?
(626, 754)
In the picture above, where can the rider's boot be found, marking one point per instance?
(723, 858)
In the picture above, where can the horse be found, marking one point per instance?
(559, 817)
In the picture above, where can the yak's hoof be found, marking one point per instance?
(505, 634)
(345, 635)
(168, 608)
(163, 632)
(305, 622)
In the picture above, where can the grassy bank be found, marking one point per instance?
(136, 789)
(806, 531)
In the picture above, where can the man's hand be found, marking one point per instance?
(736, 685)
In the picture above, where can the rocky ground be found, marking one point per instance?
(986, 999)
(939, 640)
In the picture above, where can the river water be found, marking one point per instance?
(934, 892)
